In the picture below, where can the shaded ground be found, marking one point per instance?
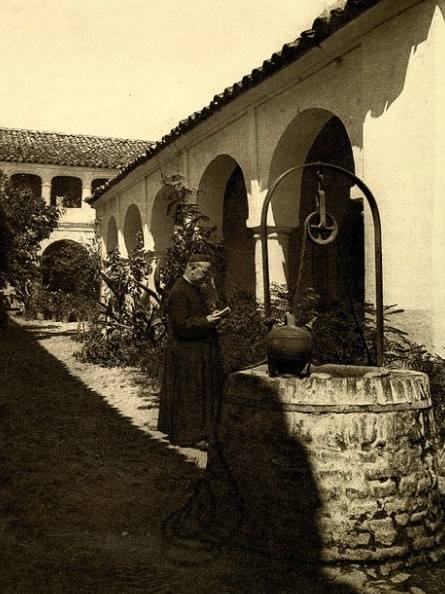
(87, 482)
(84, 493)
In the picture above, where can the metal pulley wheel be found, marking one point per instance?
(321, 231)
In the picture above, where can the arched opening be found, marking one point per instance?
(239, 247)
(132, 227)
(97, 183)
(162, 223)
(222, 196)
(67, 266)
(335, 271)
(111, 242)
(66, 191)
(28, 182)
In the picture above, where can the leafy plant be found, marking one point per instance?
(69, 283)
(177, 195)
(69, 267)
(242, 334)
(193, 234)
(128, 320)
(341, 335)
(25, 220)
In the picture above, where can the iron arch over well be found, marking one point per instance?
(338, 269)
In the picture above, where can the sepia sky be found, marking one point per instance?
(132, 68)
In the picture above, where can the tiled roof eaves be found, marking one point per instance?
(323, 27)
(73, 150)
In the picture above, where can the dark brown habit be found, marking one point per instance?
(193, 375)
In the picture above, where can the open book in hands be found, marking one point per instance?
(222, 313)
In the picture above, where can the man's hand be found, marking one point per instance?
(215, 316)
(218, 314)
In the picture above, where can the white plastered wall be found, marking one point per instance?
(384, 85)
(399, 82)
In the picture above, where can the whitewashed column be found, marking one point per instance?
(120, 229)
(46, 187)
(278, 250)
(86, 191)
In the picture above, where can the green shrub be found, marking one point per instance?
(69, 267)
(125, 326)
(112, 347)
(242, 333)
(58, 305)
(193, 234)
(25, 220)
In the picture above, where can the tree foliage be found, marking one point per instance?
(131, 325)
(25, 221)
(69, 282)
(70, 267)
(127, 302)
(193, 234)
(126, 328)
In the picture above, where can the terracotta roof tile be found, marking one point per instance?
(75, 150)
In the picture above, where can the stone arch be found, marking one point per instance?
(336, 271)
(222, 196)
(97, 182)
(63, 263)
(291, 150)
(212, 187)
(162, 223)
(28, 181)
(66, 191)
(111, 240)
(132, 226)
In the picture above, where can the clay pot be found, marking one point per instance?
(289, 350)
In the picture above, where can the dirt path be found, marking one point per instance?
(84, 491)
(87, 483)
(127, 390)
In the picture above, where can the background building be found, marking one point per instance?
(65, 169)
(361, 89)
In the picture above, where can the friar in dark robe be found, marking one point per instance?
(193, 375)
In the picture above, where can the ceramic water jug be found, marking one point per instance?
(289, 350)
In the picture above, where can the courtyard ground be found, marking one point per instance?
(86, 483)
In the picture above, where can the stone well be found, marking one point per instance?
(337, 466)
